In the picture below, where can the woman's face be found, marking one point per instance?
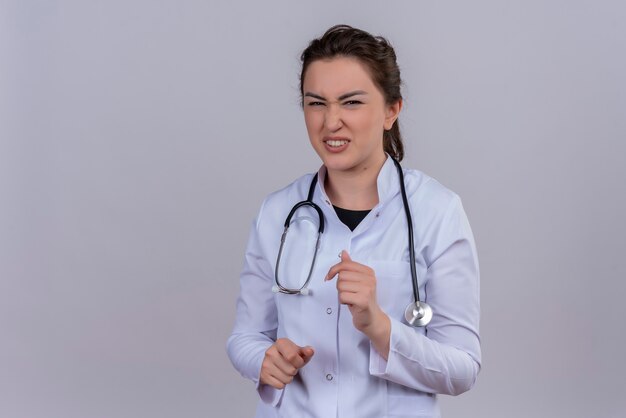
(346, 114)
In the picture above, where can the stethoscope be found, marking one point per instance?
(417, 313)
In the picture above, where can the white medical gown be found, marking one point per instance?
(347, 377)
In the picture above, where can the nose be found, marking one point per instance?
(332, 118)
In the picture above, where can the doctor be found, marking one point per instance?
(334, 342)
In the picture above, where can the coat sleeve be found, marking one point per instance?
(446, 357)
(256, 318)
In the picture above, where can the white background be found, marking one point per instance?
(138, 138)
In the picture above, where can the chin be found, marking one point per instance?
(339, 163)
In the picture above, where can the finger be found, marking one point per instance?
(286, 347)
(332, 272)
(274, 362)
(290, 352)
(272, 373)
(306, 353)
(277, 382)
(271, 368)
(350, 286)
(351, 264)
(284, 366)
(352, 299)
(334, 269)
(354, 276)
(348, 265)
(273, 382)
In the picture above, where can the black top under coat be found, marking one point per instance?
(351, 218)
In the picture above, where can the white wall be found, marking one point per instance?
(137, 139)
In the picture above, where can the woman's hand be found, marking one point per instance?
(356, 286)
(282, 362)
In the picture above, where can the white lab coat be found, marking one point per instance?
(347, 377)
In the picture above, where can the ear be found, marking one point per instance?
(392, 112)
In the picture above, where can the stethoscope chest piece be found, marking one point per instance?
(418, 314)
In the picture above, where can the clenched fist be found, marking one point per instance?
(282, 362)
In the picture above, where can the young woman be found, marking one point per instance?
(368, 306)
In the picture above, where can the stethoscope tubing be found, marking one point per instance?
(417, 313)
(409, 221)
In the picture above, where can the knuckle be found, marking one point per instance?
(267, 366)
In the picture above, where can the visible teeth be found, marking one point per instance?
(336, 143)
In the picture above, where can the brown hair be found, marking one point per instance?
(379, 58)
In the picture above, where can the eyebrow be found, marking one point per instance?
(342, 97)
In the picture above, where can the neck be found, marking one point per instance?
(354, 190)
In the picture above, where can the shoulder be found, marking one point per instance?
(427, 193)
(295, 191)
(437, 211)
(276, 205)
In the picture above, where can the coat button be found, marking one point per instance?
(329, 310)
(329, 377)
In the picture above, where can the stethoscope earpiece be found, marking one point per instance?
(418, 314)
(304, 291)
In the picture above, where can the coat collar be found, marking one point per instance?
(387, 183)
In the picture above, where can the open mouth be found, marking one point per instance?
(336, 143)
